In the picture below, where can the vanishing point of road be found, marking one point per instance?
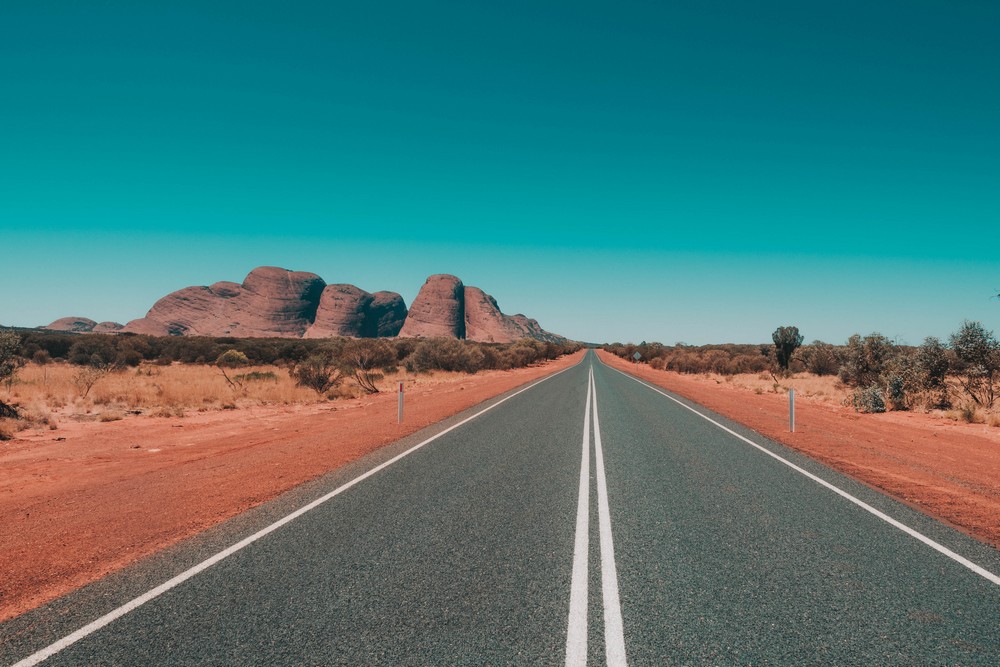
(587, 518)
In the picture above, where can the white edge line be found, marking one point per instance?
(962, 560)
(614, 627)
(135, 603)
(576, 634)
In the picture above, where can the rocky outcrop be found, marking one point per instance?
(346, 310)
(387, 314)
(107, 327)
(342, 311)
(534, 330)
(485, 323)
(438, 310)
(270, 302)
(275, 302)
(72, 324)
(446, 307)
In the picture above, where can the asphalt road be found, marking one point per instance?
(588, 519)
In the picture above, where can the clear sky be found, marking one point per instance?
(698, 171)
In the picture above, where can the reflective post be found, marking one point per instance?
(791, 410)
(400, 417)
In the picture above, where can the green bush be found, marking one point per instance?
(868, 399)
(978, 361)
(821, 359)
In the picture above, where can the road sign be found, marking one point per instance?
(637, 356)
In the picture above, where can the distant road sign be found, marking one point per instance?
(637, 356)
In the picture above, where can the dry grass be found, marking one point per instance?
(47, 393)
(824, 388)
(829, 389)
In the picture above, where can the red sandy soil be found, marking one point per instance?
(947, 469)
(93, 497)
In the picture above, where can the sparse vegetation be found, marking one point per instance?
(232, 359)
(977, 356)
(10, 361)
(87, 377)
(876, 374)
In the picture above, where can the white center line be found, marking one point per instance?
(614, 633)
(576, 635)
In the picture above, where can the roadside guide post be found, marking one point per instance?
(400, 416)
(791, 410)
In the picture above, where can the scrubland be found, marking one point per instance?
(57, 378)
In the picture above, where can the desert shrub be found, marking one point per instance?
(821, 359)
(747, 363)
(932, 365)
(93, 351)
(10, 362)
(85, 378)
(978, 361)
(868, 399)
(445, 354)
(865, 359)
(363, 358)
(257, 376)
(320, 372)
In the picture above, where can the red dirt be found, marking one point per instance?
(947, 469)
(91, 498)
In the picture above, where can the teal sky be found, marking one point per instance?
(697, 171)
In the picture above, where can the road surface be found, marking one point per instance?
(585, 519)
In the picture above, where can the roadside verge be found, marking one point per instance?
(75, 509)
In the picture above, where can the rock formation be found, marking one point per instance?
(387, 313)
(438, 310)
(275, 302)
(73, 324)
(107, 327)
(270, 302)
(346, 310)
(445, 307)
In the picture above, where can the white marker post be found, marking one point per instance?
(400, 416)
(791, 410)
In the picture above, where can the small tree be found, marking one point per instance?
(364, 358)
(978, 355)
(932, 366)
(232, 359)
(85, 378)
(866, 359)
(786, 341)
(321, 372)
(10, 361)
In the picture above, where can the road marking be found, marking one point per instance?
(135, 603)
(614, 633)
(961, 560)
(576, 634)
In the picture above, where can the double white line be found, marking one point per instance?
(576, 636)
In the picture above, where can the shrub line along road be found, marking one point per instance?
(507, 536)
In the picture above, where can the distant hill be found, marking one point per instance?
(276, 302)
